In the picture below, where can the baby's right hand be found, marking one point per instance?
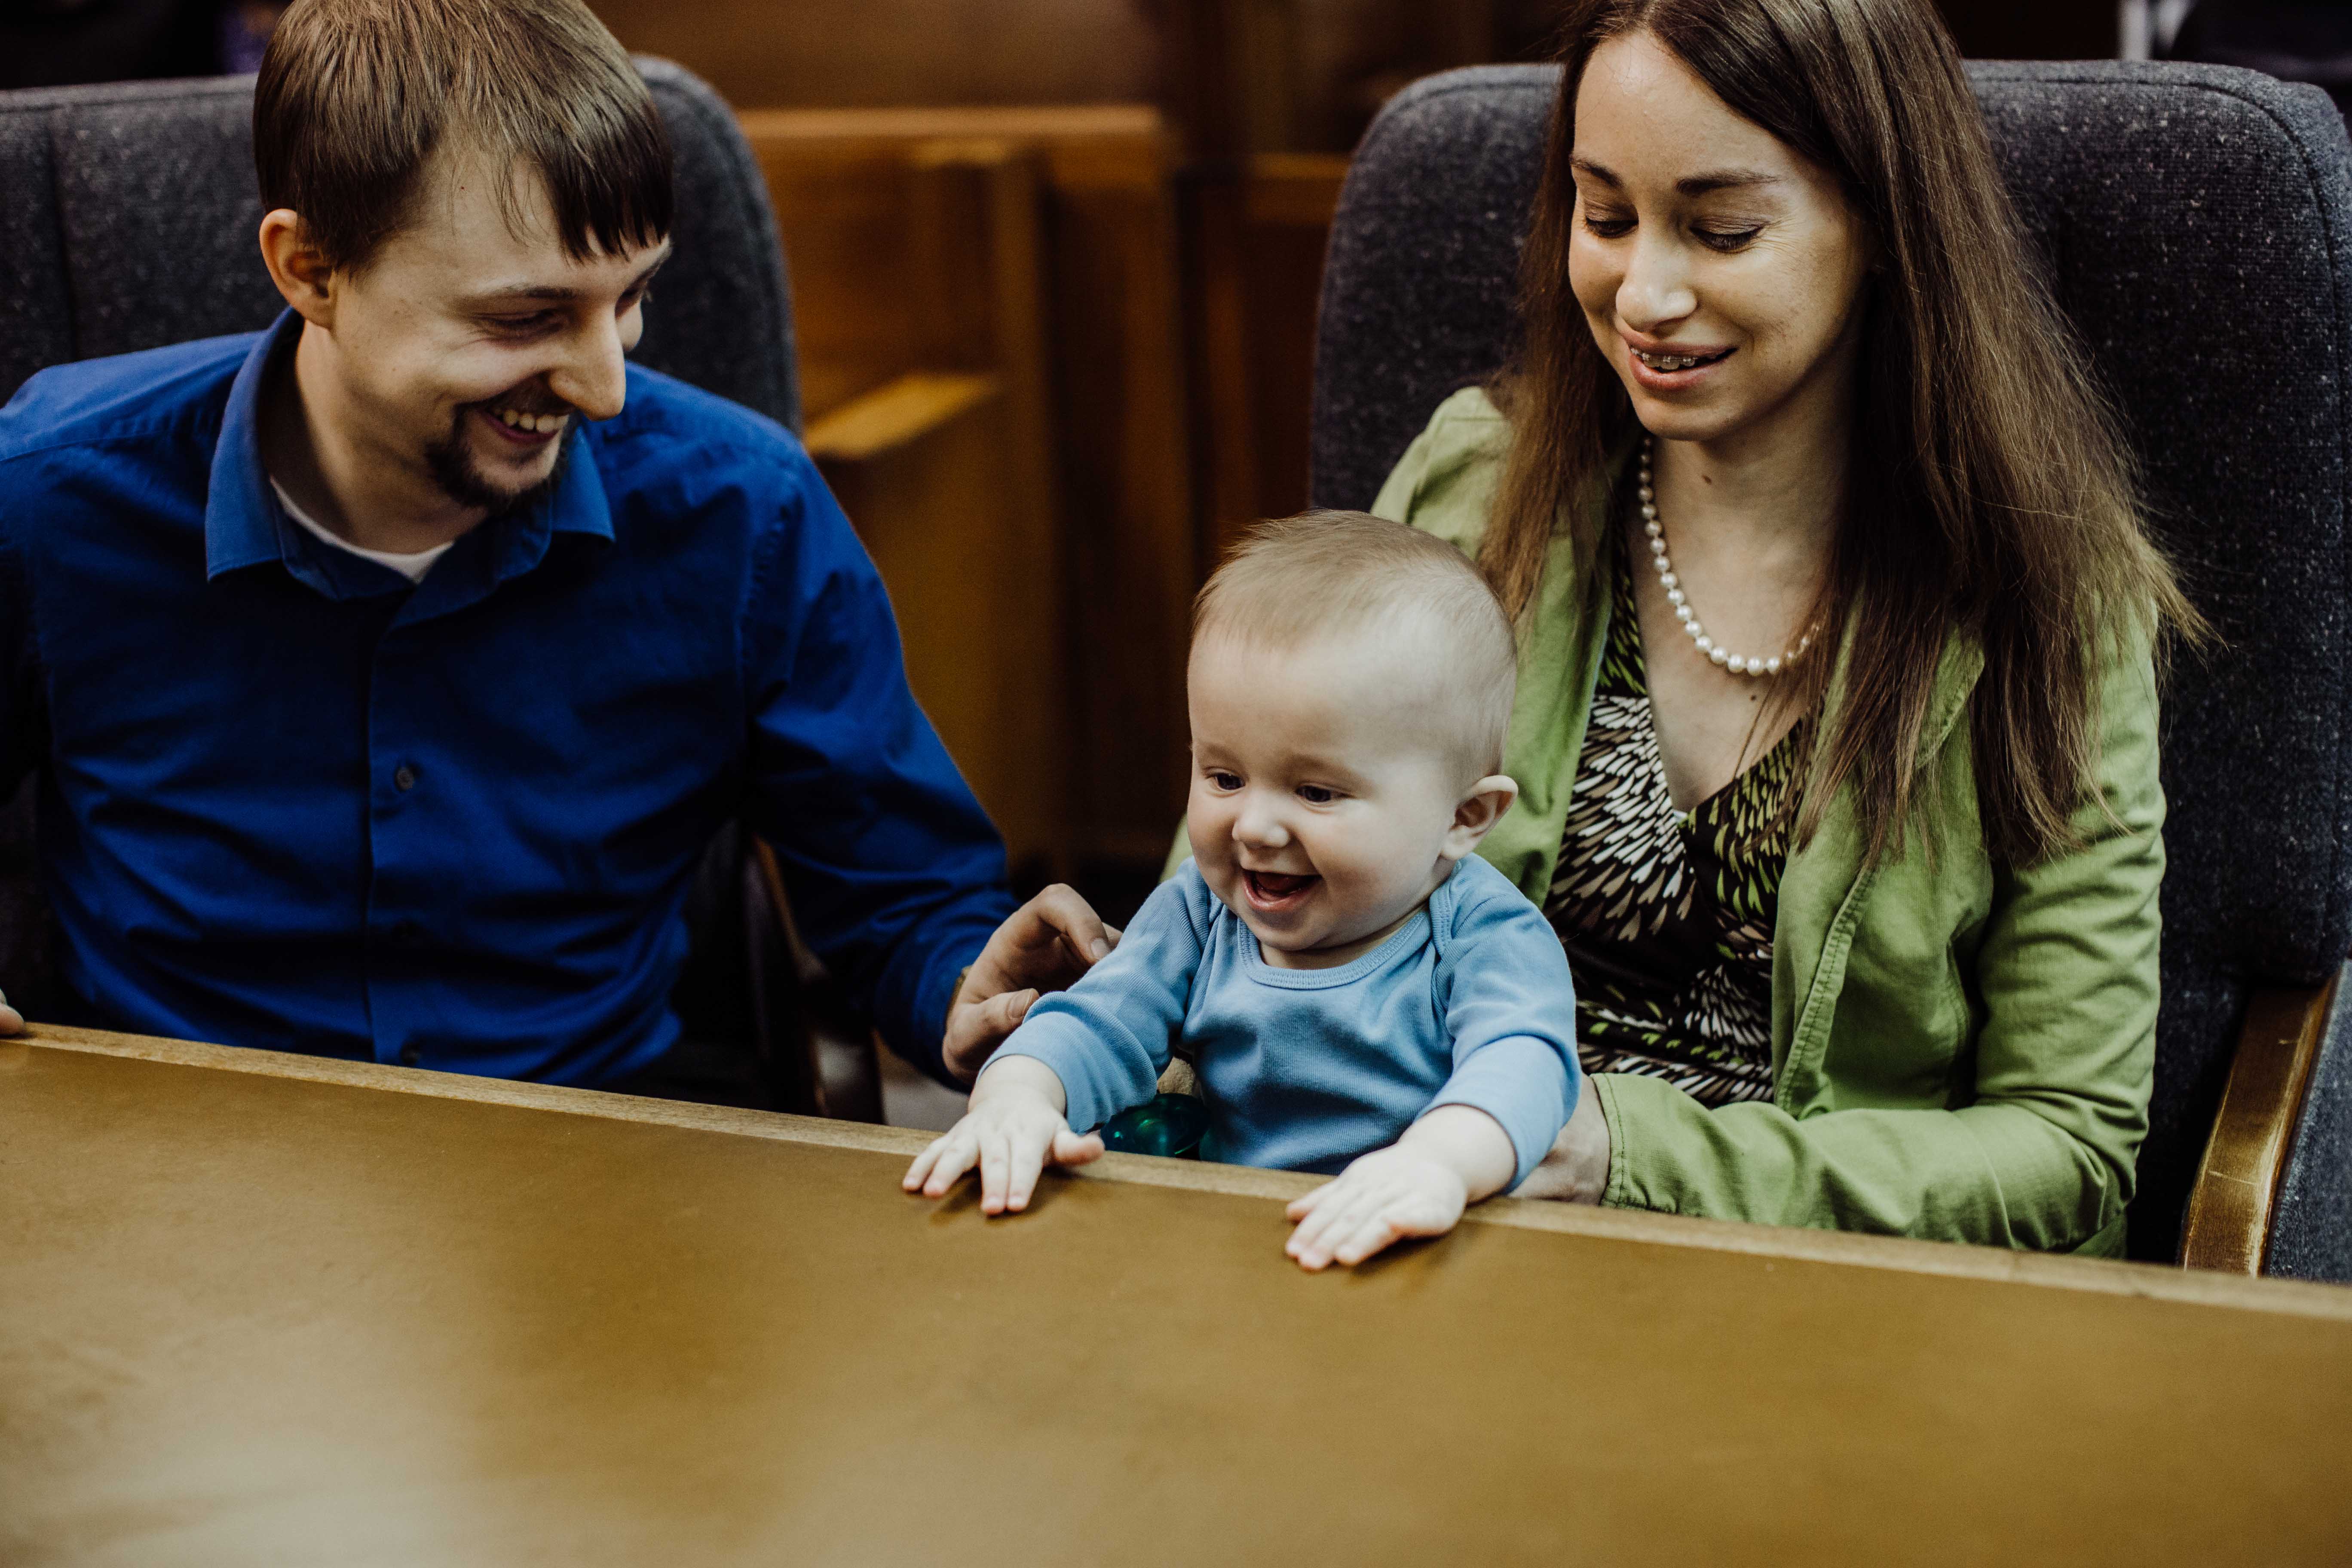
(1013, 1130)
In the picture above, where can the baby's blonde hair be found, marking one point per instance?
(1323, 572)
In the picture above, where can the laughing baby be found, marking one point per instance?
(1358, 992)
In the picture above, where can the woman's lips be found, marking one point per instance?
(1277, 890)
(1657, 378)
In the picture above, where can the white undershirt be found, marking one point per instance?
(412, 567)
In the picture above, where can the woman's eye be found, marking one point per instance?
(1608, 226)
(1727, 239)
(1316, 795)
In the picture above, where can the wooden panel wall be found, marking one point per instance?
(1109, 379)
(877, 53)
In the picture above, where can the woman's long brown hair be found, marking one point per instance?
(1990, 492)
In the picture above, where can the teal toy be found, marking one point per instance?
(1169, 1124)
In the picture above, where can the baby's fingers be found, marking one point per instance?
(1318, 1237)
(1025, 1158)
(1069, 1149)
(995, 1170)
(1300, 1207)
(950, 1157)
(1371, 1233)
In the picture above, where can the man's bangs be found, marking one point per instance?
(610, 192)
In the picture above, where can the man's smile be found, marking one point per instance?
(520, 428)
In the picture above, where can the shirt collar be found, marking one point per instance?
(244, 526)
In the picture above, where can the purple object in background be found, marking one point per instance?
(244, 29)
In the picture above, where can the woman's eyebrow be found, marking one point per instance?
(1724, 180)
(1688, 186)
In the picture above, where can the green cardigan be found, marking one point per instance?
(1959, 1051)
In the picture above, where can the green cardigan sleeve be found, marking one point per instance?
(2040, 1154)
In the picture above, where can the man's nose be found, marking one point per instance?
(1655, 291)
(594, 373)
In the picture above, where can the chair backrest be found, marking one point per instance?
(127, 215)
(2197, 225)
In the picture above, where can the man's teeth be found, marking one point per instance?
(516, 419)
(1671, 362)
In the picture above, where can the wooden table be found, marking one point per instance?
(260, 1309)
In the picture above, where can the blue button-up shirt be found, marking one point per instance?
(290, 801)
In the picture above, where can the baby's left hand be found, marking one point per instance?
(1385, 1196)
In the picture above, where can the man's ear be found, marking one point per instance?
(298, 268)
(1478, 810)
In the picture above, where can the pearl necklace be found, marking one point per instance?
(1738, 664)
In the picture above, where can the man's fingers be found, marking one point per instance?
(1082, 932)
(976, 1028)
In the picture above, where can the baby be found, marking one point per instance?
(1359, 992)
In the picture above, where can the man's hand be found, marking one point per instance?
(1044, 945)
(12, 1022)
(1012, 1131)
(1418, 1186)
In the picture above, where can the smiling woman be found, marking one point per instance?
(1836, 726)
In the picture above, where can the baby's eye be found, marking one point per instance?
(1316, 795)
(1225, 781)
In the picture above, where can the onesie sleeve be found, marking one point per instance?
(1106, 1037)
(1509, 1008)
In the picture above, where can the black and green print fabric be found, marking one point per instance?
(1666, 915)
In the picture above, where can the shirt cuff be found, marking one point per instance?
(1521, 1083)
(1093, 1092)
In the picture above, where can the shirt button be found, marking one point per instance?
(403, 778)
(409, 1056)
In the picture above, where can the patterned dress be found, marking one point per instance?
(1668, 915)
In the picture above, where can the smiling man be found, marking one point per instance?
(387, 672)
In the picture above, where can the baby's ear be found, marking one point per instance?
(1478, 811)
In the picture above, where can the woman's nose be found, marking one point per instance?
(1655, 291)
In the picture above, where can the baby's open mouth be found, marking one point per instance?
(1666, 362)
(1273, 889)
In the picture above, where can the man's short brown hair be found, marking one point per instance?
(356, 95)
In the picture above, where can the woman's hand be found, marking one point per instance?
(1012, 1131)
(1042, 946)
(1577, 1169)
(12, 1022)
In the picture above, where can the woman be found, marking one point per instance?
(1836, 730)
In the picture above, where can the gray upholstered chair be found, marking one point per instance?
(2197, 222)
(128, 216)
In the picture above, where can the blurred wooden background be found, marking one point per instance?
(1054, 266)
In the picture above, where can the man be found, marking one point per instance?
(387, 672)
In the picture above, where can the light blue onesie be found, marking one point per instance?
(1304, 1069)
